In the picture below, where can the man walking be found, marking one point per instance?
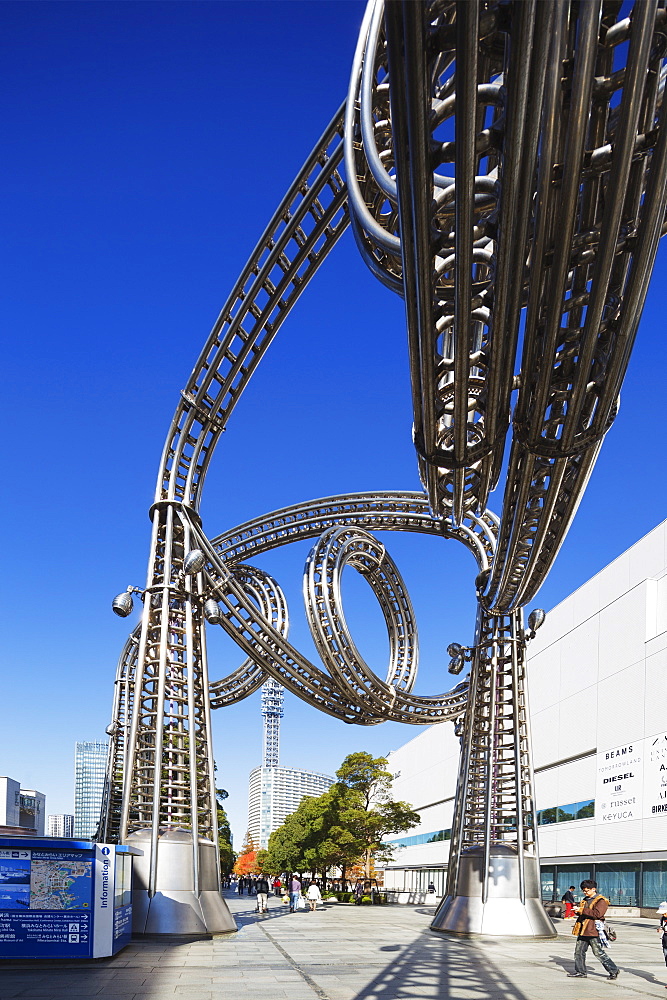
(295, 894)
(262, 888)
(568, 899)
(586, 928)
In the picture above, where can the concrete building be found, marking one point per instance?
(90, 761)
(274, 793)
(22, 810)
(61, 825)
(597, 684)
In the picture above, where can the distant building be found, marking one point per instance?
(90, 761)
(61, 825)
(274, 793)
(22, 810)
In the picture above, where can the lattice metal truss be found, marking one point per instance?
(273, 697)
(505, 172)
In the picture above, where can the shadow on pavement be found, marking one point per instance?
(437, 968)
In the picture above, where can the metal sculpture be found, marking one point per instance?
(506, 173)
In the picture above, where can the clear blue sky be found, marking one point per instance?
(146, 147)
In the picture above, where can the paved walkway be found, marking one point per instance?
(347, 953)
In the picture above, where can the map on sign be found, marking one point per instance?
(59, 884)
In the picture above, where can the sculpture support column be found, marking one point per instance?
(493, 883)
(169, 804)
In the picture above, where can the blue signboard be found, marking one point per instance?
(46, 902)
(64, 899)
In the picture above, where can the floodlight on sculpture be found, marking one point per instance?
(503, 167)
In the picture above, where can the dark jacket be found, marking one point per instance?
(261, 885)
(590, 910)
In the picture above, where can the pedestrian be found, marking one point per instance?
(239, 886)
(358, 893)
(295, 893)
(662, 929)
(587, 927)
(313, 895)
(568, 899)
(262, 888)
(431, 887)
(277, 886)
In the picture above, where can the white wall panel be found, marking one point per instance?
(654, 833)
(575, 838)
(661, 612)
(613, 838)
(655, 704)
(622, 632)
(614, 580)
(579, 657)
(576, 781)
(585, 601)
(542, 678)
(547, 840)
(558, 622)
(545, 736)
(577, 728)
(646, 558)
(546, 788)
(621, 707)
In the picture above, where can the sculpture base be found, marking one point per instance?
(503, 914)
(182, 914)
(175, 908)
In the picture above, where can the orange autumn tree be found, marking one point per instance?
(246, 863)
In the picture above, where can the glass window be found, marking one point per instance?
(585, 810)
(547, 877)
(619, 883)
(571, 875)
(546, 816)
(654, 883)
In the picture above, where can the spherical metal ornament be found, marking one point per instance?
(193, 562)
(111, 729)
(123, 604)
(212, 612)
(454, 649)
(536, 618)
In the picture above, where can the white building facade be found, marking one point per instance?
(597, 686)
(61, 825)
(274, 793)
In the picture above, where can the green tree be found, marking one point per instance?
(227, 855)
(369, 811)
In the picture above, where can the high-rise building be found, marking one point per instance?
(22, 810)
(61, 825)
(274, 793)
(90, 761)
(273, 696)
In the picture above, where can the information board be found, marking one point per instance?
(64, 898)
(46, 903)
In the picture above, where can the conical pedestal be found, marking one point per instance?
(502, 914)
(176, 908)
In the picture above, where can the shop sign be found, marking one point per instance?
(619, 786)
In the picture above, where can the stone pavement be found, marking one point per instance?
(346, 953)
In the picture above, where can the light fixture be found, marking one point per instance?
(212, 612)
(454, 649)
(193, 562)
(123, 604)
(536, 619)
(456, 663)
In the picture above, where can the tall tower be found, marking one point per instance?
(273, 696)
